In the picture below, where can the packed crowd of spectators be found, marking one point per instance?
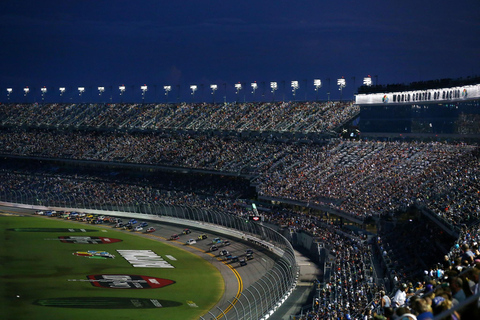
(361, 178)
(302, 117)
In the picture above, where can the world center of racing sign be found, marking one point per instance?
(144, 259)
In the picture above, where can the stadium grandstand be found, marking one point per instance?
(382, 192)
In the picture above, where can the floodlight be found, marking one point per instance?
(122, 89)
(295, 86)
(26, 90)
(62, 90)
(101, 90)
(254, 86)
(238, 86)
(214, 87)
(193, 88)
(341, 83)
(317, 83)
(144, 89)
(81, 90)
(367, 81)
(274, 86)
(44, 91)
(9, 90)
(167, 89)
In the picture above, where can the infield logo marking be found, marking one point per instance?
(144, 259)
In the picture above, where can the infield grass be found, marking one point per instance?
(37, 269)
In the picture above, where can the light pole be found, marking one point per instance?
(9, 92)
(367, 81)
(44, 91)
(238, 86)
(26, 90)
(295, 86)
(317, 83)
(194, 88)
(167, 90)
(341, 83)
(144, 89)
(254, 87)
(122, 90)
(100, 91)
(214, 88)
(81, 90)
(274, 87)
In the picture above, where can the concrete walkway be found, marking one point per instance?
(302, 294)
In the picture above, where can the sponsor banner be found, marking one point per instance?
(90, 240)
(50, 230)
(144, 259)
(122, 281)
(106, 303)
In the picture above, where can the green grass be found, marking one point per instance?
(35, 268)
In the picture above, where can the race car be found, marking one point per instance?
(174, 237)
(143, 224)
(216, 240)
(138, 228)
(186, 231)
(132, 221)
(202, 236)
(242, 262)
(191, 241)
(151, 229)
(224, 253)
(213, 248)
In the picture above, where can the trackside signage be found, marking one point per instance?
(144, 259)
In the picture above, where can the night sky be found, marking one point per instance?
(180, 43)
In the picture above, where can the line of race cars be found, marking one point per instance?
(215, 245)
(132, 224)
(142, 226)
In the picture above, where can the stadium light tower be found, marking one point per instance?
(254, 88)
(274, 87)
(341, 83)
(101, 90)
(194, 88)
(122, 89)
(214, 88)
(367, 81)
(238, 86)
(317, 83)
(62, 90)
(295, 86)
(9, 92)
(44, 91)
(144, 89)
(81, 90)
(26, 90)
(167, 90)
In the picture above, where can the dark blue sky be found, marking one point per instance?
(155, 42)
